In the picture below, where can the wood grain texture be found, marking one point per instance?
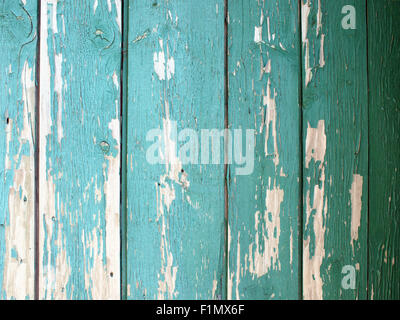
(18, 34)
(79, 179)
(322, 197)
(384, 140)
(335, 131)
(175, 209)
(264, 207)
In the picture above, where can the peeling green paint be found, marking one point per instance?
(335, 147)
(264, 95)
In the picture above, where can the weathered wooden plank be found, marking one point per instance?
(79, 149)
(176, 208)
(18, 34)
(124, 149)
(335, 149)
(384, 141)
(264, 68)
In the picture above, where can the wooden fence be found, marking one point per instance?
(107, 108)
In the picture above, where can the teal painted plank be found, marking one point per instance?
(264, 96)
(79, 179)
(335, 148)
(124, 151)
(384, 139)
(175, 209)
(17, 115)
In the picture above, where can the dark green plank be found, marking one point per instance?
(384, 140)
(335, 150)
(264, 202)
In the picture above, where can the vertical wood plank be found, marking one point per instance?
(336, 150)
(18, 34)
(175, 209)
(384, 139)
(124, 150)
(79, 149)
(264, 208)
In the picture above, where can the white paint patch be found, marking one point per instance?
(107, 286)
(95, 273)
(312, 281)
(166, 286)
(58, 83)
(63, 23)
(356, 203)
(270, 121)
(95, 4)
(165, 188)
(305, 12)
(57, 277)
(258, 34)
(115, 80)
(170, 68)
(308, 69)
(8, 130)
(18, 275)
(264, 69)
(47, 274)
(316, 143)
(319, 18)
(267, 228)
(54, 13)
(214, 286)
(119, 14)
(18, 278)
(28, 96)
(238, 267)
(291, 246)
(98, 193)
(321, 52)
(45, 71)
(312, 261)
(54, 279)
(102, 279)
(159, 64)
